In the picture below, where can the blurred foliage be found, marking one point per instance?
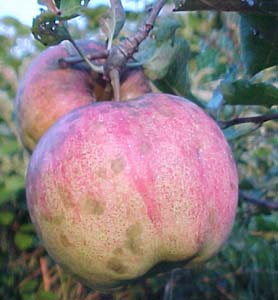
(261, 7)
(247, 267)
(259, 42)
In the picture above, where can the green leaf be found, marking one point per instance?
(23, 241)
(158, 66)
(244, 92)
(176, 74)
(113, 21)
(48, 29)
(43, 295)
(20, 28)
(162, 36)
(233, 133)
(163, 50)
(66, 9)
(28, 286)
(27, 228)
(28, 296)
(164, 57)
(246, 184)
(259, 42)
(10, 187)
(216, 102)
(6, 218)
(256, 6)
(9, 147)
(93, 15)
(71, 8)
(50, 4)
(165, 29)
(267, 223)
(146, 51)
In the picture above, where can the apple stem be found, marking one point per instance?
(72, 60)
(120, 54)
(115, 81)
(256, 120)
(117, 57)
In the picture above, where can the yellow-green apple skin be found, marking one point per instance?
(48, 90)
(118, 191)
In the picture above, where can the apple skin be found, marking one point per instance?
(49, 91)
(118, 191)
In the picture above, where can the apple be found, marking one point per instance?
(121, 190)
(49, 91)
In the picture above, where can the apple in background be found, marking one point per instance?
(122, 190)
(49, 91)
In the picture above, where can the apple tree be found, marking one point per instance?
(222, 56)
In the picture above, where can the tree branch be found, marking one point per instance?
(72, 60)
(248, 6)
(256, 120)
(260, 202)
(120, 54)
(45, 274)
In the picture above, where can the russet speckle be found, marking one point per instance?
(53, 219)
(118, 165)
(65, 240)
(116, 265)
(93, 206)
(145, 148)
(134, 242)
(118, 251)
(102, 173)
(65, 196)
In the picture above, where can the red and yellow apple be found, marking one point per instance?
(122, 190)
(49, 91)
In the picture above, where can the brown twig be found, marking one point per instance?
(239, 272)
(45, 274)
(219, 5)
(27, 256)
(96, 68)
(256, 120)
(261, 202)
(51, 5)
(120, 54)
(79, 290)
(224, 292)
(33, 275)
(93, 296)
(72, 60)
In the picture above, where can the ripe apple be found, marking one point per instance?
(49, 91)
(122, 190)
